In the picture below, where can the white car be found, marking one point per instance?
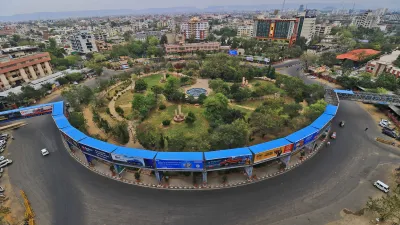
(381, 186)
(313, 77)
(1, 189)
(2, 158)
(5, 163)
(384, 123)
(44, 152)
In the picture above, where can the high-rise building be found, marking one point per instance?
(307, 21)
(301, 8)
(366, 20)
(276, 29)
(380, 11)
(195, 28)
(15, 71)
(83, 42)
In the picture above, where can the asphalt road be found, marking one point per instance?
(64, 192)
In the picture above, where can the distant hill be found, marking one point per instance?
(173, 10)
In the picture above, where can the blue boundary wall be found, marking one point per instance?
(177, 161)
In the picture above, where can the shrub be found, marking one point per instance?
(108, 111)
(190, 118)
(162, 107)
(166, 122)
(119, 110)
(137, 176)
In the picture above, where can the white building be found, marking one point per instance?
(195, 28)
(380, 11)
(366, 20)
(245, 31)
(322, 30)
(307, 25)
(83, 42)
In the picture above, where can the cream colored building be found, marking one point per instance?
(245, 31)
(24, 69)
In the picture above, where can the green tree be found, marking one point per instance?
(308, 59)
(397, 61)
(313, 111)
(78, 121)
(215, 106)
(163, 39)
(148, 136)
(347, 66)
(387, 81)
(271, 114)
(219, 86)
(230, 135)
(201, 98)
(328, 59)
(140, 85)
(190, 118)
(292, 109)
(120, 131)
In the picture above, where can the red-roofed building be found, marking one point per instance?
(358, 54)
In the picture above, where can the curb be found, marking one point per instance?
(200, 187)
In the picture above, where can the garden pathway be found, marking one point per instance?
(244, 107)
(131, 125)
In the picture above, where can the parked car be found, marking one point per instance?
(390, 133)
(384, 123)
(5, 162)
(44, 152)
(381, 186)
(2, 158)
(2, 189)
(313, 77)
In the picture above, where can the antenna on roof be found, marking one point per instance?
(283, 5)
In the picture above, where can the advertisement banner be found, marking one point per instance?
(37, 111)
(228, 162)
(69, 140)
(273, 153)
(131, 160)
(306, 140)
(10, 116)
(179, 164)
(95, 152)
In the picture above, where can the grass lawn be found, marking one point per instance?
(200, 126)
(251, 103)
(243, 110)
(153, 80)
(125, 98)
(103, 114)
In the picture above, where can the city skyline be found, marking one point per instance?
(37, 6)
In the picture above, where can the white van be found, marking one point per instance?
(381, 186)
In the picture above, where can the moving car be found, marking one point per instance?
(341, 123)
(44, 152)
(333, 136)
(384, 123)
(381, 186)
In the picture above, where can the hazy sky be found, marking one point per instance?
(11, 7)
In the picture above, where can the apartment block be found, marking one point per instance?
(14, 72)
(83, 42)
(366, 20)
(192, 47)
(195, 28)
(322, 30)
(245, 31)
(306, 26)
(276, 29)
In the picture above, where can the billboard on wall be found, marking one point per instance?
(305, 140)
(37, 111)
(70, 140)
(179, 164)
(10, 116)
(95, 152)
(273, 153)
(131, 160)
(233, 52)
(228, 162)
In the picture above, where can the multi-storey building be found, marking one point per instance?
(322, 30)
(195, 28)
(29, 67)
(276, 29)
(103, 46)
(245, 31)
(188, 48)
(307, 21)
(83, 42)
(366, 20)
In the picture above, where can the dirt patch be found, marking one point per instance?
(376, 114)
(14, 200)
(325, 82)
(350, 219)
